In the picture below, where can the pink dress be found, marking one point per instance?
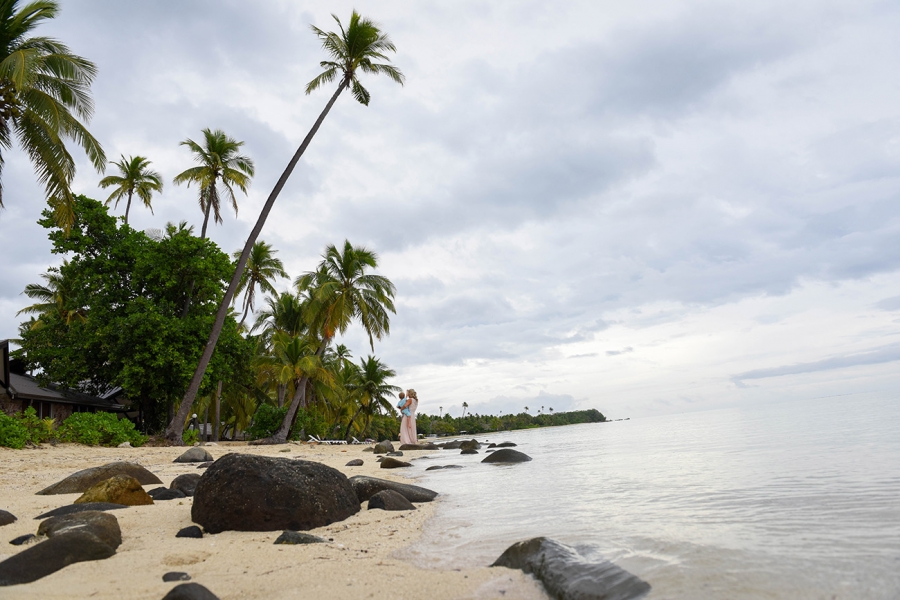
(407, 423)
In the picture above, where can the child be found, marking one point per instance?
(403, 405)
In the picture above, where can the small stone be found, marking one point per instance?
(125, 445)
(6, 518)
(190, 591)
(121, 489)
(162, 493)
(186, 483)
(393, 463)
(190, 532)
(356, 462)
(295, 537)
(395, 453)
(285, 450)
(194, 455)
(176, 576)
(28, 538)
(77, 508)
(469, 451)
(390, 500)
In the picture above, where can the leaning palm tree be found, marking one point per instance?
(136, 178)
(44, 91)
(220, 167)
(262, 269)
(355, 49)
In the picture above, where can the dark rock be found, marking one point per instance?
(162, 493)
(23, 539)
(52, 555)
(489, 450)
(6, 518)
(256, 493)
(436, 467)
(194, 455)
(82, 480)
(454, 445)
(103, 526)
(506, 445)
(119, 489)
(395, 453)
(191, 531)
(295, 537)
(469, 451)
(505, 455)
(393, 463)
(425, 446)
(379, 459)
(366, 487)
(71, 509)
(469, 445)
(186, 483)
(568, 576)
(356, 462)
(492, 445)
(369, 449)
(383, 447)
(190, 591)
(205, 465)
(176, 576)
(390, 500)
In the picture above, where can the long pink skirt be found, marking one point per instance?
(407, 436)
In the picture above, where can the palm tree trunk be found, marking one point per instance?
(282, 390)
(176, 425)
(205, 218)
(128, 206)
(246, 309)
(216, 415)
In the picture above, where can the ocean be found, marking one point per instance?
(793, 500)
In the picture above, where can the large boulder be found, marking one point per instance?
(121, 489)
(102, 525)
(566, 575)
(241, 492)
(469, 445)
(506, 455)
(190, 591)
(366, 487)
(393, 463)
(6, 518)
(186, 483)
(194, 455)
(383, 447)
(390, 500)
(82, 480)
(52, 555)
(71, 509)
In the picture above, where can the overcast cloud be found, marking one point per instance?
(641, 207)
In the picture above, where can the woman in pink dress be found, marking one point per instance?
(408, 424)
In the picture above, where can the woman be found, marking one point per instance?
(408, 423)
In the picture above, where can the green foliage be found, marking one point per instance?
(99, 429)
(266, 421)
(13, 433)
(39, 430)
(190, 436)
(447, 425)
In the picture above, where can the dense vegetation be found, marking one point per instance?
(91, 429)
(473, 424)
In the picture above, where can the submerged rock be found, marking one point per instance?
(102, 525)
(469, 451)
(366, 487)
(294, 538)
(506, 445)
(566, 575)
(186, 483)
(6, 518)
(470, 445)
(436, 467)
(190, 591)
(390, 500)
(82, 480)
(194, 455)
(121, 489)
(77, 508)
(393, 463)
(52, 555)
(505, 455)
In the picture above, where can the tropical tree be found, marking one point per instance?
(373, 390)
(262, 269)
(465, 407)
(219, 169)
(355, 49)
(54, 298)
(44, 91)
(136, 177)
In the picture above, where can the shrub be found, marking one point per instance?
(190, 436)
(266, 421)
(38, 430)
(12, 433)
(99, 429)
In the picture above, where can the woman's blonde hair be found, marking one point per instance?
(412, 394)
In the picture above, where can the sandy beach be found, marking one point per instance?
(357, 562)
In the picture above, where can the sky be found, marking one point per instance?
(646, 208)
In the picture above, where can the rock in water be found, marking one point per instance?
(6, 518)
(366, 487)
(186, 484)
(393, 463)
(295, 537)
(241, 492)
(568, 576)
(390, 500)
(82, 480)
(425, 446)
(506, 445)
(103, 526)
(194, 455)
(469, 445)
(356, 462)
(52, 555)
(383, 447)
(121, 489)
(192, 531)
(190, 591)
(505, 455)
(71, 509)
(469, 451)
(176, 576)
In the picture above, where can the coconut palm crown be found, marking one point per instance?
(136, 178)
(262, 268)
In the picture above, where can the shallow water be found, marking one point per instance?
(798, 500)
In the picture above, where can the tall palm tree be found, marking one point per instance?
(262, 269)
(44, 91)
(136, 177)
(465, 408)
(220, 167)
(356, 48)
(371, 384)
(53, 298)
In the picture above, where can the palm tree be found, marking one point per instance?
(136, 177)
(355, 49)
(53, 298)
(371, 384)
(262, 268)
(44, 91)
(219, 168)
(465, 406)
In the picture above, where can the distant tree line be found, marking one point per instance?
(475, 423)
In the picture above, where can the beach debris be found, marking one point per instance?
(567, 575)
(242, 492)
(425, 446)
(390, 500)
(506, 455)
(395, 453)
(28, 538)
(191, 531)
(469, 445)
(162, 493)
(190, 591)
(393, 463)
(294, 538)
(102, 525)
(82, 480)
(186, 483)
(205, 465)
(121, 489)
(125, 445)
(194, 455)
(71, 509)
(6, 518)
(356, 462)
(383, 447)
(469, 451)
(176, 576)
(366, 487)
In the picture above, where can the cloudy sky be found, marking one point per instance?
(644, 207)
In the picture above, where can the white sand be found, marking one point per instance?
(358, 562)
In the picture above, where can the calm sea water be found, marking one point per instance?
(798, 500)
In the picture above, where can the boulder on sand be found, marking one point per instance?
(121, 489)
(383, 447)
(6, 518)
(190, 591)
(194, 455)
(241, 492)
(52, 555)
(162, 493)
(506, 455)
(71, 509)
(186, 484)
(568, 576)
(390, 500)
(356, 462)
(294, 538)
(102, 525)
(366, 487)
(82, 480)
(192, 531)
